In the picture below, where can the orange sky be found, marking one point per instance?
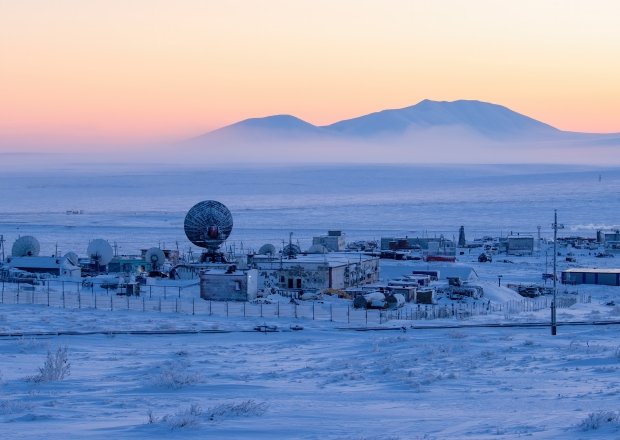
(148, 70)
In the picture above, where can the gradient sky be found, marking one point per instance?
(149, 70)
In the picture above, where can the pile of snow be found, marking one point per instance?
(498, 294)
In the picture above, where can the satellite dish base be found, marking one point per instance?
(213, 257)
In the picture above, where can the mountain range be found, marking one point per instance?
(463, 131)
(479, 119)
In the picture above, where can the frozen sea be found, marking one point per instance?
(139, 206)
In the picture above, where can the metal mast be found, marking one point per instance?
(555, 227)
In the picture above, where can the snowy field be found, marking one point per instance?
(321, 382)
(206, 375)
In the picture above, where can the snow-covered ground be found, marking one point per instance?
(209, 375)
(316, 383)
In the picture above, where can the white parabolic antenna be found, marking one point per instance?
(72, 258)
(26, 246)
(155, 256)
(317, 249)
(100, 251)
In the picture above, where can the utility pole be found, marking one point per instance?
(555, 227)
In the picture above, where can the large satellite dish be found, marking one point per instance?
(72, 258)
(156, 257)
(26, 246)
(100, 251)
(208, 224)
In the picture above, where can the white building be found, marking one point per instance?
(519, 245)
(315, 271)
(57, 266)
(334, 241)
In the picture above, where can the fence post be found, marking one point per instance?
(176, 305)
(179, 291)
(111, 303)
(366, 317)
(313, 310)
(210, 308)
(143, 303)
(244, 309)
(48, 295)
(295, 310)
(331, 313)
(63, 299)
(127, 302)
(278, 303)
(227, 309)
(193, 309)
(261, 310)
(79, 301)
(348, 314)
(150, 292)
(93, 295)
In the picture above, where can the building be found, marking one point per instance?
(518, 245)
(57, 266)
(334, 241)
(230, 284)
(607, 236)
(315, 271)
(606, 277)
(438, 246)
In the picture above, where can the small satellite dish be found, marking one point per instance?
(72, 258)
(100, 251)
(208, 224)
(26, 246)
(156, 257)
(267, 249)
(318, 249)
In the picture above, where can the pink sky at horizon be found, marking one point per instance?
(155, 70)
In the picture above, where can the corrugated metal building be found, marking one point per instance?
(606, 277)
